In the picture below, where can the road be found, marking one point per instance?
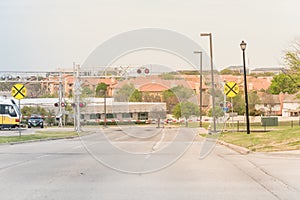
(89, 167)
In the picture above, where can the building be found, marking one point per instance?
(50, 85)
(271, 105)
(264, 70)
(94, 109)
(291, 105)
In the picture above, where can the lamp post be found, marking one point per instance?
(212, 80)
(200, 89)
(243, 47)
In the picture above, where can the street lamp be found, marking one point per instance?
(200, 90)
(243, 47)
(212, 80)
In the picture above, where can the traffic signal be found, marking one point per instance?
(82, 104)
(143, 70)
(62, 104)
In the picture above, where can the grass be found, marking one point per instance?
(39, 135)
(281, 139)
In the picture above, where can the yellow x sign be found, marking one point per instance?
(231, 89)
(18, 91)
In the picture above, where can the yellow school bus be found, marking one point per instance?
(9, 114)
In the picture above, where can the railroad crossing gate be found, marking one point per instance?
(231, 89)
(18, 91)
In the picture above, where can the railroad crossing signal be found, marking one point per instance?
(231, 89)
(18, 91)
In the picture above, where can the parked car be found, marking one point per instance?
(35, 121)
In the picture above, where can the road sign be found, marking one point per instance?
(225, 109)
(231, 89)
(18, 91)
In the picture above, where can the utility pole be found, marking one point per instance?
(77, 93)
(60, 100)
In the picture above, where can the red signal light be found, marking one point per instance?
(82, 104)
(63, 104)
(147, 71)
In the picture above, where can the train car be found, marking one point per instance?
(10, 114)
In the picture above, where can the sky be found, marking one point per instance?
(51, 34)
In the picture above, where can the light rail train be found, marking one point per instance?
(10, 114)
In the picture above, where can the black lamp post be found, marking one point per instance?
(200, 88)
(243, 47)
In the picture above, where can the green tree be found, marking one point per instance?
(38, 110)
(292, 57)
(253, 99)
(185, 109)
(218, 112)
(101, 89)
(292, 62)
(128, 93)
(86, 92)
(239, 103)
(283, 83)
(136, 96)
(170, 98)
(182, 93)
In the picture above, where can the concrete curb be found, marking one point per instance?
(239, 149)
(38, 140)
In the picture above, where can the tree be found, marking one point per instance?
(86, 92)
(253, 100)
(38, 110)
(136, 96)
(128, 93)
(226, 71)
(185, 109)
(218, 112)
(182, 93)
(170, 98)
(239, 103)
(292, 57)
(283, 83)
(101, 89)
(157, 113)
(292, 61)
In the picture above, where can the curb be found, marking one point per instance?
(38, 140)
(239, 149)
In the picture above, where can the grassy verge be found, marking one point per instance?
(274, 140)
(39, 135)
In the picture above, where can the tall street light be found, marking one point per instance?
(243, 47)
(200, 89)
(212, 80)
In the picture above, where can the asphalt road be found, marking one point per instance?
(144, 163)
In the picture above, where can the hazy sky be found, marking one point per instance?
(46, 34)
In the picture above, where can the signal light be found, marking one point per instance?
(147, 71)
(82, 104)
(139, 71)
(63, 104)
(56, 104)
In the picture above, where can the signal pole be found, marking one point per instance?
(60, 100)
